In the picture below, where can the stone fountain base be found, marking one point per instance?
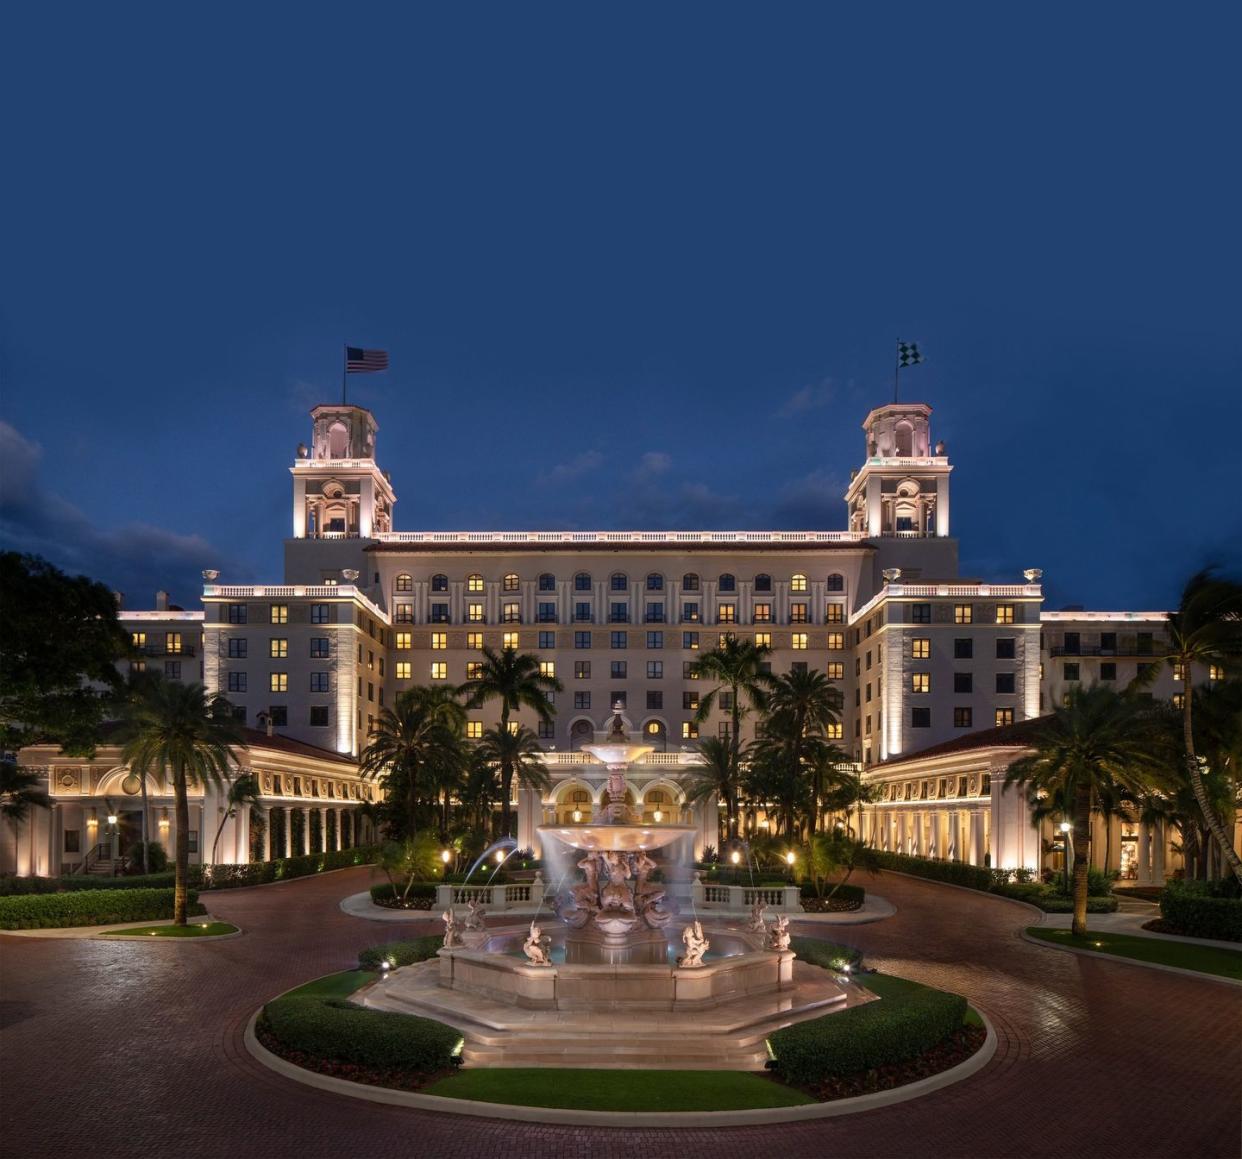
(591, 946)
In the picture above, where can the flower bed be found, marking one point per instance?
(90, 907)
(846, 898)
(420, 895)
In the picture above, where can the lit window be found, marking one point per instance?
(797, 613)
(1178, 670)
(279, 682)
(688, 670)
(405, 583)
(138, 639)
(690, 613)
(280, 613)
(474, 640)
(689, 730)
(763, 614)
(834, 614)
(474, 669)
(836, 641)
(834, 730)
(797, 582)
(723, 639)
(278, 648)
(474, 730)
(547, 668)
(1215, 672)
(439, 670)
(1004, 613)
(726, 614)
(1179, 699)
(511, 613)
(834, 670)
(405, 613)
(763, 639)
(964, 614)
(509, 640)
(510, 583)
(474, 613)
(172, 643)
(403, 670)
(920, 648)
(439, 640)
(1003, 717)
(920, 681)
(690, 641)
(474, 583)
(798, 642)
(514, 727)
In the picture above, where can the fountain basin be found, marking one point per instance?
(619, 752)
(621, 838)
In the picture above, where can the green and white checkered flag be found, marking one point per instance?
(908, 354)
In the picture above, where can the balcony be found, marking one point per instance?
(1123, 649)
(165, 650)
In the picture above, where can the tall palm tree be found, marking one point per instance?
(245, 790)
(20, 791)
(1205, 630)
(719, 777)
(513, 678)
(479, 791)
(800, 707)
(182, 728)
(516, 753)
(411, 740)
(1096, 740)
(738, 666)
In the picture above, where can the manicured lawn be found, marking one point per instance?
(340, 985)
(193, 930)
(619, 1090)
(1205, 959)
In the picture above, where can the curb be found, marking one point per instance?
(966, 889)
(111, 933)
(1130, 961)
(563, 1116)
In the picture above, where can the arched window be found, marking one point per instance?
(728, 583)
(763, 583)
(510, 582)
(655, 733)
(580, 733)
(797, 582)
(836, 582)
(689, 582)
(582, 581)
(619, 582)
(547, 582)
(405, 583)
(439, 583)
(338, 441)
(474, 583)
(655, 582)
(905, 440)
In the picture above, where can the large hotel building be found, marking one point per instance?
(938, 672)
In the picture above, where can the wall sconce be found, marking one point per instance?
(111, 818)
(577, 816)
(659, 816)
(164, 820)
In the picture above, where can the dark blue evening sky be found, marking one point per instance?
(636, 265)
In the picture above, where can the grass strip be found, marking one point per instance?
(618, 1090)
(193, 930)
(1201, 959)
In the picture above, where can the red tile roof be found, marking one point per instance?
(254, 738)
(1020, 735)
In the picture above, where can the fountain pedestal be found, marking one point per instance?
(637, 946)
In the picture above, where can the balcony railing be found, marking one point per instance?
(166, 650)
(1147, 651)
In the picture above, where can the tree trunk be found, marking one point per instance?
(181, 877)
(506, 787)
(1196, 778)
(1082, 858)
(146, 840)
(215, 845)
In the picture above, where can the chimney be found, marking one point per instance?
(161, 601)
(120, 600)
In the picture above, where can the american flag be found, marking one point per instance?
(359, 361)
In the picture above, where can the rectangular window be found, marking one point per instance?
(920, 718)
(688, 670)
(963, 682)
(320, 613)
(582, 669)
(237, 649)
(797, 613)
(655, 669)
(618, 613)
(834, 730)
(1072, 644)
(439, 614)
(1178, 671)
(617, 669)
(655, 701)
(138, 639)
(582, 640)
(690, 613)
(474, 640)
(963, 614)
(172, 669)
(1004, 613)
(834, 614)
(1108, 642)
(962, 717)
(724, 729)
(690, 641)
(319, 648)
(474, 730)
(172, 643)
(689, 730)
(1108, 671)
(237, 613)
(547, 639)
(546, 729)
(763, 614)
(836, 641)
(474, 613)
(404, 613)
(546, 613)
(511, 613)
(237, 682)
(319, 716)
(798, 641)
(963, 648)
(439, 670)
(280, 613)
(474, 669)
(404, 670)
(547, 668)
(654, 613)
(834, 670)
(1071, 671)
(799, 666)
(726, 614)
(620, 639)
(763, 639)
(278, 648)
(690, 701)
(510, 640)
(655, 640)
(920, 648)
(920, 613)
(582, 700)
(1216, 672)
(1003, 717)
(920, 681)
(439, 641)
(1006, 648)
(1005, 682)
(279, 682)
(582, 613)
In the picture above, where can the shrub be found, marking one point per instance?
(400, 953)
(1199, 916)
(17, 886)
(953, 872)
(283, 869)
(862, 1038)
(157, 857)
(828, 955)
(1058, 903)
(340, 1031)
(90, 907)
(420, 895)
(846, 898)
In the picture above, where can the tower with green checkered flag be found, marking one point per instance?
(908, 354)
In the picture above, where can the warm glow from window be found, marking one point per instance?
(439, 670)
(726, 614)
(279, 648)
(403, 670)
(920, 681)
(474, 613)
(1215, 672)
(689, 730)
(964, 614)
(280, 613)
(1004, 613)
(763, 613)
(834, 614)
(474, 729)
(474, 583)
(279, 682)
(474, 640)
(1178, 671)
(474, 669)
(509, 640)
(763, 639)
(797, 583)
(547, 668)
(836, 641)
(403, 640)
(510, 583)
(834, 731)
(1004, 716)
(439, 641)
(514, 726)
(798, 642)
(138, 639)
(920, 648)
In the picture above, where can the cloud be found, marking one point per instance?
(137, 558)
(812, 503)
(652, 464)
(578, 466)
(808, 398)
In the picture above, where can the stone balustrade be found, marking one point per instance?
(740, 898)
(496, 898)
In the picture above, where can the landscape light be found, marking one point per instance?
(500, 856)
(111, 818)
(735, 857)
(446, 856)
(789, 857)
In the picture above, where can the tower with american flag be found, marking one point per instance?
(359, 360)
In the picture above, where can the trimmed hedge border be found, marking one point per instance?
(828, 955)
(1197, 916)
(89, 907)
(421, 895)
(400, 953)
(27, 886)
(283, 869)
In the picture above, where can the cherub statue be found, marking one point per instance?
(778, 936)
(475, 915)
(452, 935)
(758, 923)
(696, 946)
(536, 946)
(615, 893)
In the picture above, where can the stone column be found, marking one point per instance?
(901, 831)
(951, 848)
(1143, 876)
(976, 837)
(267, 833)
(1159, 841)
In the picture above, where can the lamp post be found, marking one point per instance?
(1066, 849)
(112, 838)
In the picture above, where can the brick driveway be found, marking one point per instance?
(116, 1049)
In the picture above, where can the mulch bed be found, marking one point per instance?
(826, 905)
(957, 1048)
(413, 903)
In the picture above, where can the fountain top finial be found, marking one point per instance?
(616, 730)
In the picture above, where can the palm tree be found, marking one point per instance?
(1206, 630)
(479, 791)
(1096, 740)
(719, 777)
(516, 680)
(245, 790)
(515, 752)
(20, 791)
(412, 740)
(800, 707)
(182, 728)
(736, 665)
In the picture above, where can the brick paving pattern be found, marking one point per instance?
(117, 1049)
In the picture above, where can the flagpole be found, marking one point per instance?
(896, 371)
(345, 371)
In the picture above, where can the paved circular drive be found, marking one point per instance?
(123, 1049)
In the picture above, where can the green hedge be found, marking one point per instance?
(1197, 916)
(343, 1032)
(400, 953)
(20, 886)
(283, 869)
(853, 895)
(89, 907)
(891, 1030)
(1052, 901)
(829, 955)
(420, 895)
(954, 872)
